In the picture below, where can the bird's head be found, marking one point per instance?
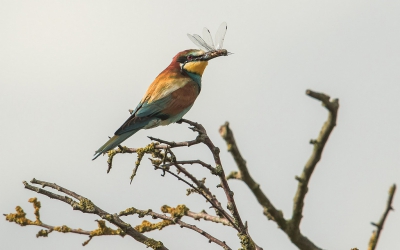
(195, 61)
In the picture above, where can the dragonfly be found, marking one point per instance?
(207, 44)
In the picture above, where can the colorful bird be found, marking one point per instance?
(172, 93)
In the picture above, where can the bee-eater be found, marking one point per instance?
(168, 98)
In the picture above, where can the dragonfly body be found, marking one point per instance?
(169, 97)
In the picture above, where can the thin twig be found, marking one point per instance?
(70, 230)
(208, 217)
(208, 166)
(56, 187)
(211, 198)
(87, 206)
(175, 144)
(379, 226)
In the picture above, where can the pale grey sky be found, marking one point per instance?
(70, 70)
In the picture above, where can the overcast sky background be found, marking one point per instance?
(70, 70)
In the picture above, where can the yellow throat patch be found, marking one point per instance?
(196, 67)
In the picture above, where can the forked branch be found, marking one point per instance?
(220, 172)
(78, 202)
(20, 218)
(290, 227)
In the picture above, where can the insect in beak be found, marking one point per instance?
(207, 44)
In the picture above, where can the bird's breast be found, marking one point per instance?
(182, 98)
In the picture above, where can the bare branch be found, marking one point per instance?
(379, 226)
(176, 213)
(165, 145)
(236, 221)
(202, 190)
(269, 210)
(208, 166)
(158, 159)
(64, 229)
(56, 187)
(319, 145)
(290, 227)
(212, 198)
(220, 171)
(203, 137)
(87, 206)
(191, 162)
(176, 144)
(207, 217)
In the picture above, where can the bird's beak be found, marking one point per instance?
(216, 53)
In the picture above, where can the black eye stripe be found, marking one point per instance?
(182, 59)
(187, 58)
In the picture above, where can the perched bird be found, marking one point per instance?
(168, 98)
(173, 92)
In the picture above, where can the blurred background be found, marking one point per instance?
(70, 70)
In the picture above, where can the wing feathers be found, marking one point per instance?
(161, 109)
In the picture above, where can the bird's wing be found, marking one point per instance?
(168, 106)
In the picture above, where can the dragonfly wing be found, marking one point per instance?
(199, 42)
(220, 35)
(208, 38)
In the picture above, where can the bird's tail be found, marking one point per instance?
(112, 143)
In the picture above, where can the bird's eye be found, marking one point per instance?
(189, 58)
